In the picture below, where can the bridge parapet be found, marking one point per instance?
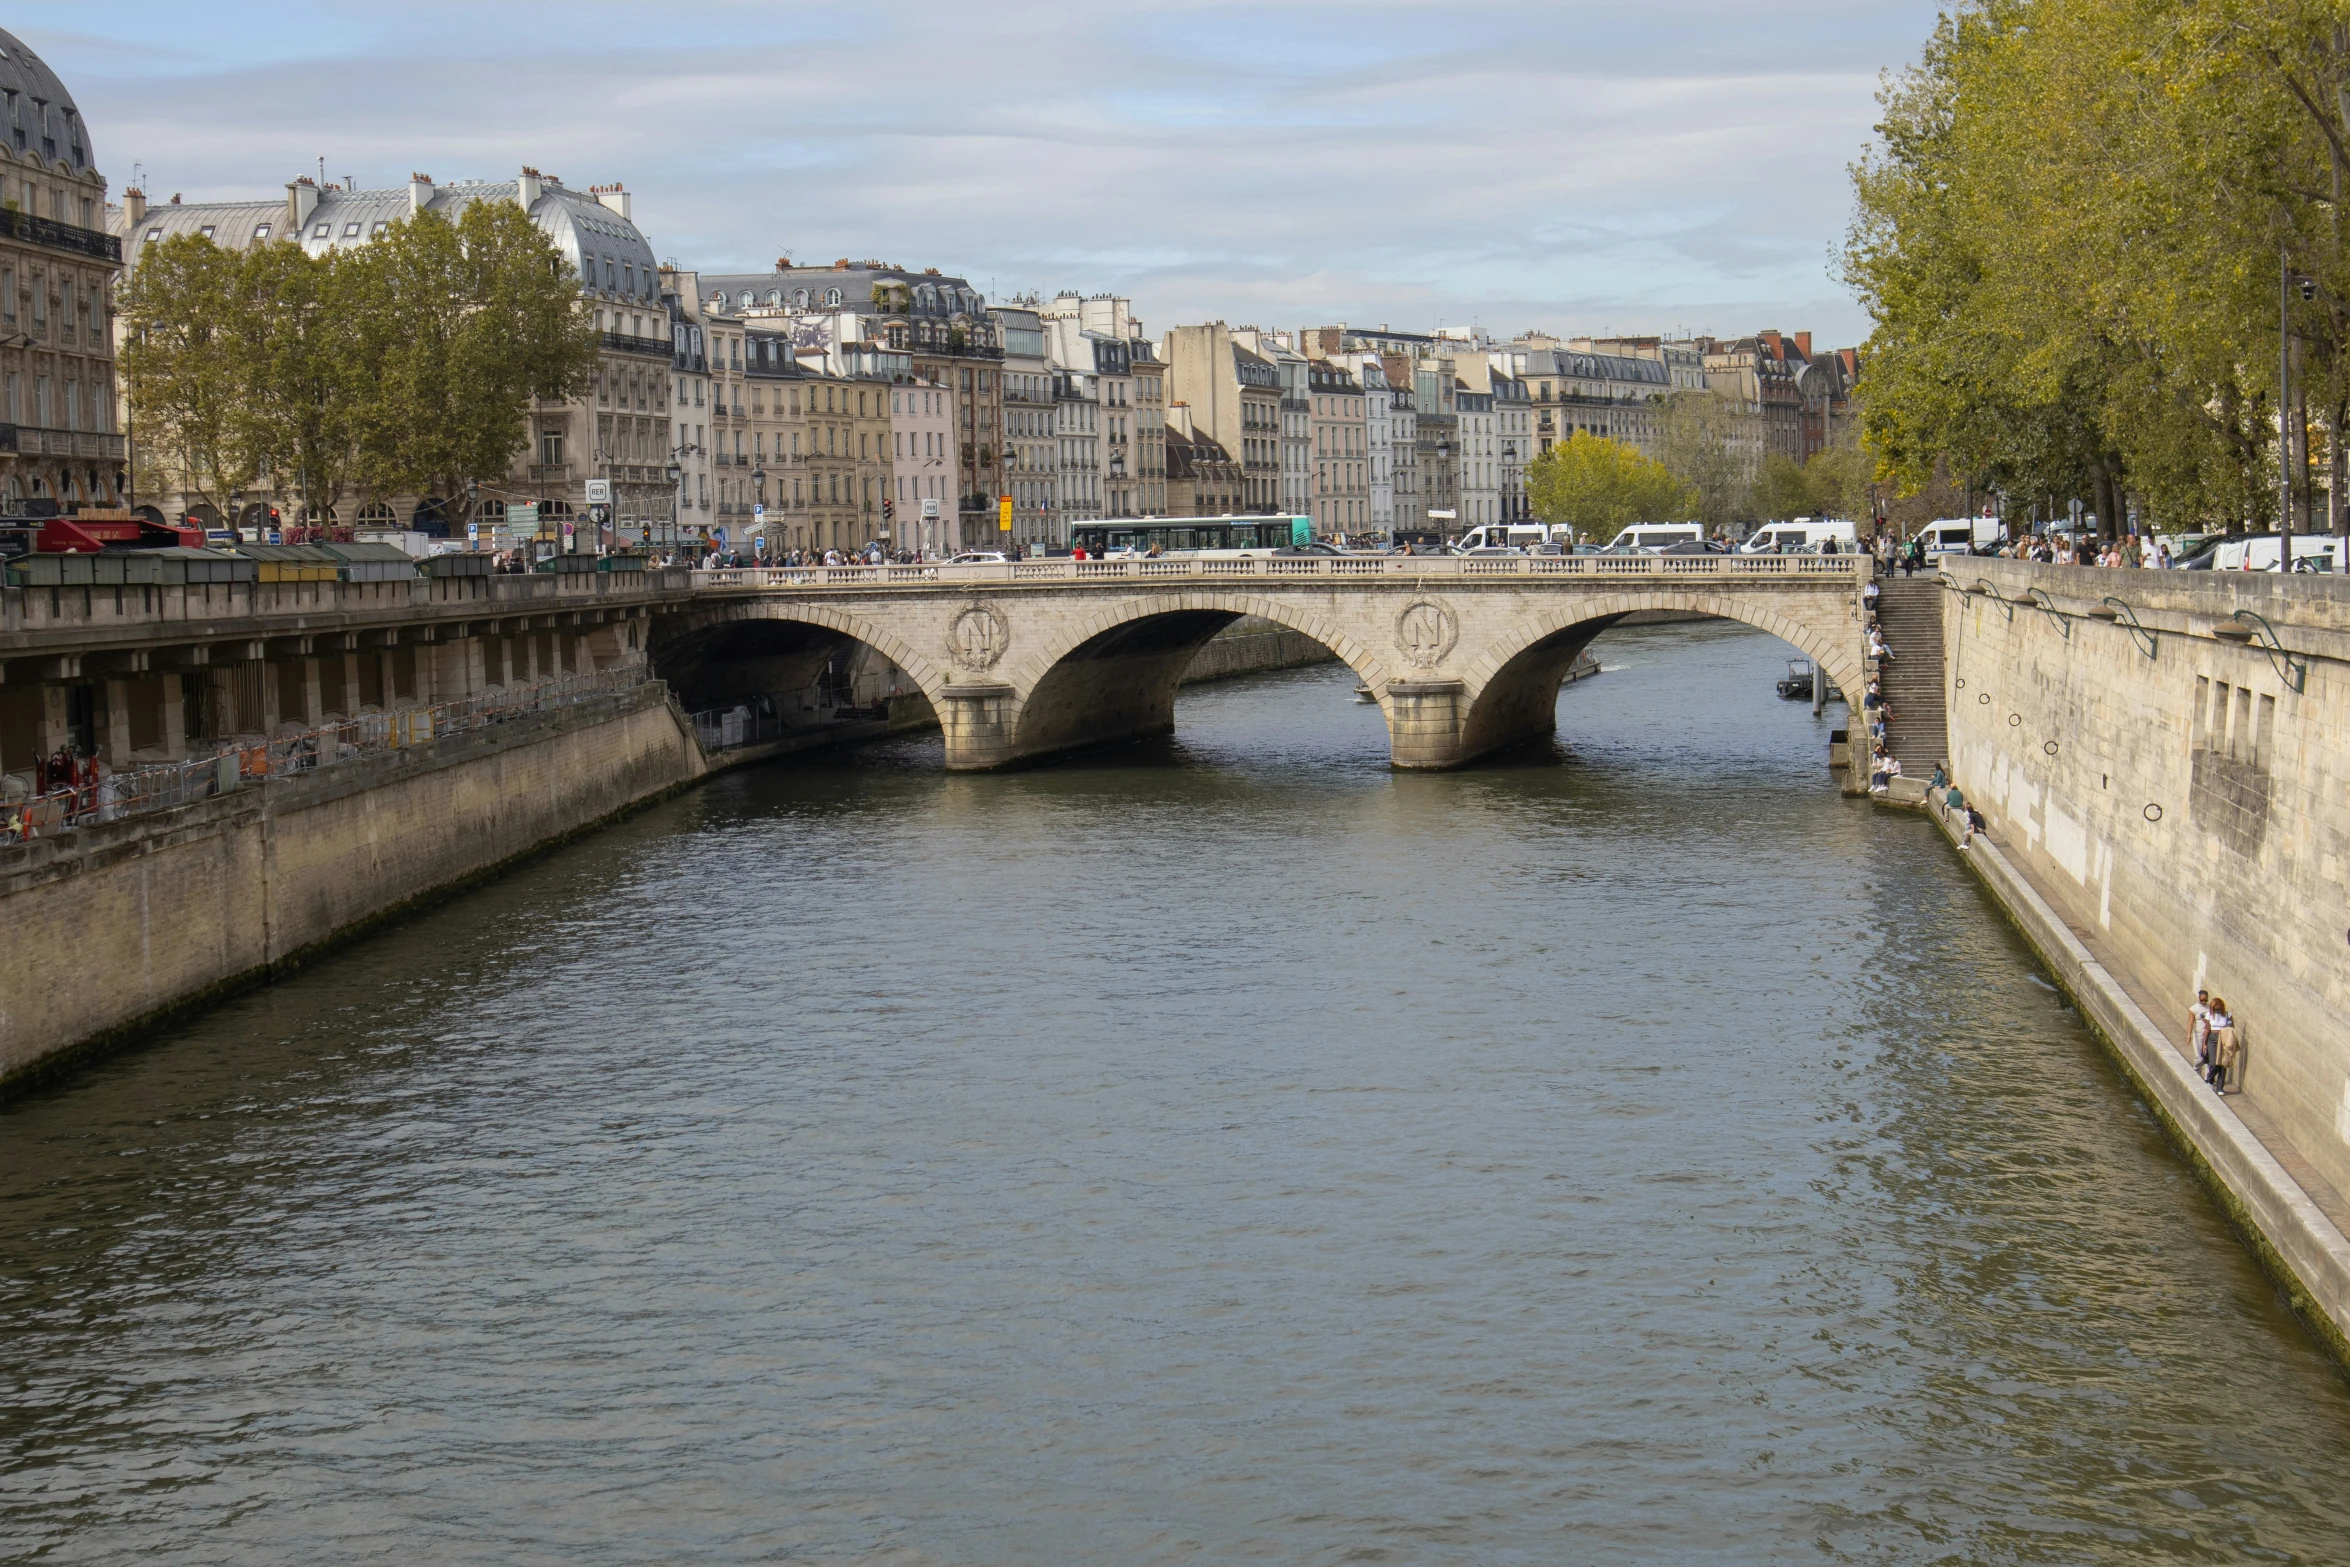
(1305, 568)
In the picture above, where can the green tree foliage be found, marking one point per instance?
(1713, 448)
(407, 365)
(1601, 487)
(185, 361)
(1782, 490)
(2070, 236)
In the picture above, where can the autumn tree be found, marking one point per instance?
(185, 366)
(1712, 447)
(1601, 487)
(404, 366)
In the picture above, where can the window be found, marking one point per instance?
(73, 405)
(41, 401)
(323, 231)
(551, 448)
(206, 231)
(382, 227)
(15, 408)
(260, 232)
(832, 296)
(153, 235)
(351, 230)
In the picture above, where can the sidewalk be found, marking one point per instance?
(2294, 1219)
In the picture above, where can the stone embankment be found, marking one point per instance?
(146, 917)
(2159, 757)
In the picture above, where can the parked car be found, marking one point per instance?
(979, 558)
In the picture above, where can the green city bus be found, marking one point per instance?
(1184, 535)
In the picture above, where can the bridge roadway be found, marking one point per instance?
(1025, 659)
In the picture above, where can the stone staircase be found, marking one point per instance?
(1910, 611)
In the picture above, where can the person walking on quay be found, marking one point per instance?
(2227, 1049)
(2199, 1033)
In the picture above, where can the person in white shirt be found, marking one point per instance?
(2199, 1029)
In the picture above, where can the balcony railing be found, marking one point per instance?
(628, 343)
(60, 236)
(30, 441)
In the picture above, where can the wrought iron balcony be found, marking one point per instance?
(628, 343)
(61, 236)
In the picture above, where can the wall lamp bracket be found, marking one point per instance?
(2120, 614)
(2047, 606)
(2291, 668)
(2006, 605)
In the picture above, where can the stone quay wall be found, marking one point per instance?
(2165, 757)
(123, 925)
(1252, 645)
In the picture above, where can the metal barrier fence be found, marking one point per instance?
(1325, 567)
(165, 786)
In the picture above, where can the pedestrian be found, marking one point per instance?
(2227, 1048)
(1953, 801)
(1936, 784)
(1974, 824)
(2199, 1032)
(1868, 596)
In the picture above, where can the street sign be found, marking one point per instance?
(522, 516)
(930, 509)
(599, 492)
(760, 511)
(473, 532)
(1004, 514)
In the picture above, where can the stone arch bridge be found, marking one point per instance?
(1022, 660)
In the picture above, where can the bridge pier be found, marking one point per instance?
(977, 719)
(1424, 724)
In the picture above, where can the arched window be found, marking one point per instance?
(775, 297)
(799, 296)
(746, 299)
(378, 514)
(832, 296)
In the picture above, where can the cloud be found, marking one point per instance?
(1572, 166)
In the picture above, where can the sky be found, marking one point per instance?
(1654, 166)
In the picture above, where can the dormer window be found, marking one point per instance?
(350, 231)
(323, 231)
(382, 227)
(260, 232)
(153, 235)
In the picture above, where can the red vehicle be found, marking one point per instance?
(94, 533)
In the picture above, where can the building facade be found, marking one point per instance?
(1233, 395)
(1203, 479)
(938, 322)
(61, 446)
(1341, 451)
(1513, 425)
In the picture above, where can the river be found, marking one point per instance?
(1215, 1150)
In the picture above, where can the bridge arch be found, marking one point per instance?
(1113, 673)
(773, 643)
(1512, 683)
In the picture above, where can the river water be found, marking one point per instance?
(1217, 1150)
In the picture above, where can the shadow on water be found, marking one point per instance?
(1219, 1149)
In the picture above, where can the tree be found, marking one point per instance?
(1601, 487)
(2070, 234)
(1782, 490)
(1712, 447)
(466, 323)
(184, 367)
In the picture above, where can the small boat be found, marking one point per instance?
(1364, 694)
(1796, 686)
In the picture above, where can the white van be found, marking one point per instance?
(1803, 536)
(1510, 535)
(1658, 535)
(1957, 535)
(2311, 552)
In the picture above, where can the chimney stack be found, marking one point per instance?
(301, 201)
(420, 193)
(1803, 344)
(134, 205)
(612, 196)
(531, 187)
